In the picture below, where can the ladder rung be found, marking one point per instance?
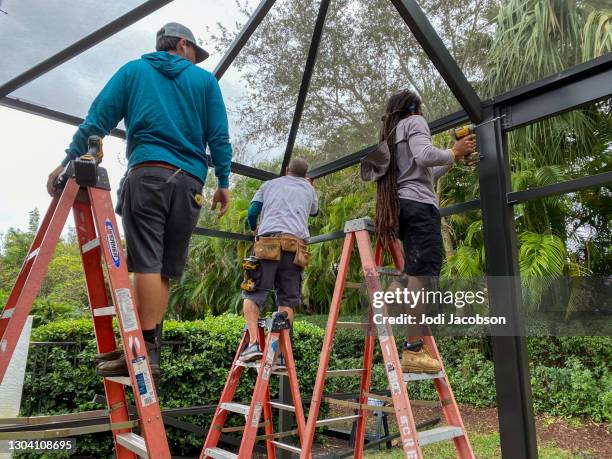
(361, 325)
(90, 245)
(422, 376)
(134, 443)
(427, 437)
(236, 408)
(7, 313)
(351, 372)
(282, 406)
(105, 311)
(125, 380)
(285, 446)
(389, 271)
(32, 254)
(257, 364)
(219, 453)
(324, 422)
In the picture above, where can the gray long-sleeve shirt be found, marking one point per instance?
(419, 163)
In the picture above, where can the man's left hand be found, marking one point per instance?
(221, 197)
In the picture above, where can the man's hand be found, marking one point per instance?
(311, 180)
(464, 146)
(222, 197)
(52, 179)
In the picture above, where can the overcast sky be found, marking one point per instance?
(32, 146)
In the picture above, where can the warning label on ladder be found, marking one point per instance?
(126, 309)
(143, 379)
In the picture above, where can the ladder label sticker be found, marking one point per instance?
(256, 415)
(143, 381)
(113, 245)
(126, 309)
(393, 379)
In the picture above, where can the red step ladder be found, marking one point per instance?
(278, 339)
(359, 231)
(87, 193)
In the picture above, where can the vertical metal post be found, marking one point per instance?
(514, 405)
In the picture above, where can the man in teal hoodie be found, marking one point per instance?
(172, 110)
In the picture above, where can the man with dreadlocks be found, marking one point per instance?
(407, 205)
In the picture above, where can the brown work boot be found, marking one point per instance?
(118, 367)
(106, 356)
(419, 362)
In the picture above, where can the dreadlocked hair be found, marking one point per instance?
(400, 105)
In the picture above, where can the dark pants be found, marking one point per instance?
(282, 276)
(160, 209)
(422, 238)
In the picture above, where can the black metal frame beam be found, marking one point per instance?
(305, 84)
(28, 107)
(83, 44)
(562, 92)
(243, 37)
(556, 98)
(569, 186)
(432, 44)
(512, 382)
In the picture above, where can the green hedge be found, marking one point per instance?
(570, 376)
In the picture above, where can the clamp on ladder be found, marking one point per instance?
(84, 188)
(277, 340)
(358, 231)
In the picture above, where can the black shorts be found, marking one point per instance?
(422, 238)
(282, 276)
(159, 212)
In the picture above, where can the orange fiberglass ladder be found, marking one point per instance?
(412, 441)
(85, 189)
(278, 340)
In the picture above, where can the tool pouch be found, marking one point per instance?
(268, 248)
(289, 243)
(302, 255)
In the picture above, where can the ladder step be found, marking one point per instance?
(134, 443)
(438, 434)
(293, 449)
(236, 408)
(389, 271)
(324, 422)
(125, 380)
(352, 325)
(282, 406)
(351, 372)
(258, 364)
(105, 311)
(219, 453)
(422, 376)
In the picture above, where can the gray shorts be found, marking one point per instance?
(282, 276)
(159, 213)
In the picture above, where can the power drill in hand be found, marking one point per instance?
(463, 131)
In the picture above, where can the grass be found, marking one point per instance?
(486, 446)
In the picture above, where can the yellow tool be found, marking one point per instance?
(461, 132)
(250, 263)
(248, 285)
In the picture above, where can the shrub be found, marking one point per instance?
(570, 376)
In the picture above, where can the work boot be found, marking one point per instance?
(106, 356)
(118, 367)
(251, 353)
(419, 362)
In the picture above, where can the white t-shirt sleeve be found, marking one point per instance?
(314, 207)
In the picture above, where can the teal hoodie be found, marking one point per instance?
(172, 110)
